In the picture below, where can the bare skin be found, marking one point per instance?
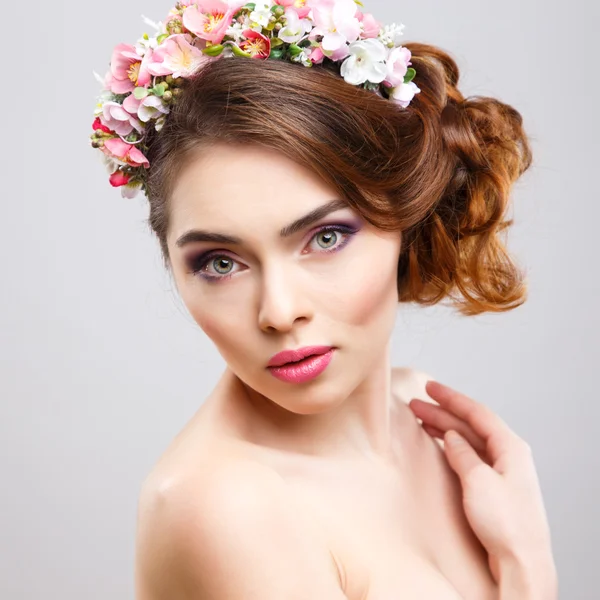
(393, 529)
(358, 484)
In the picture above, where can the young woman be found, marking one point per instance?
(295, 212)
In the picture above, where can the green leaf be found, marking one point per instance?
(250, 5)
(140, 93)
(213, 50)
(239, 52)
(159, 89)
(294, 49)
(410, 74)
(276, 42)
(160, 39)
(277, 52)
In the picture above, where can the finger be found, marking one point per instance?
(501, 442)
(433, 432)
(437, 433)
(443, 420)
(461, 455)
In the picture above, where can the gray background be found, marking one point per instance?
(101, 365)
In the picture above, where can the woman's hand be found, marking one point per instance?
(501, 493)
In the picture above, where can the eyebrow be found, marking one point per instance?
(198, 235)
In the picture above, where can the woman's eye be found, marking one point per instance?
(216, 267)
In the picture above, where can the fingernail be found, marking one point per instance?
(453, 437)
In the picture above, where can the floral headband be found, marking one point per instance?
(144, 80)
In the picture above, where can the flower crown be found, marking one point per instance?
(144, 80)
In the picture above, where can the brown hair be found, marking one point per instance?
(440, 170)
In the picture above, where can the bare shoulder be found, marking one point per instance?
(409, 383)
(212, 533)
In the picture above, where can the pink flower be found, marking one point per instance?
(300, 6)
(118, 178)
(127, 70)
(151, 107)
(177, 57)
(371, 26)
(209, 19)
(257, 44)
(336, 21)
(316, 56)
(397, 64)
(117, 119)
(404, 93)
(118, 149)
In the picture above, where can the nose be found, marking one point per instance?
(283, 300)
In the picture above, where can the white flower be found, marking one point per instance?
(130, 190)
(390, 35)
(110, 164)
(294, 28)
(235, 31)
(152, 107)
(104, 97)
(158, 124)
(402, 94)
(303, 58)
(365, 63)
(261, 13)
(147, 41)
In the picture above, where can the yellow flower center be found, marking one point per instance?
(254, 47)
(134, 71)
(213, 21)
(186, 60)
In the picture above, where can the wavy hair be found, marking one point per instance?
(440, 171)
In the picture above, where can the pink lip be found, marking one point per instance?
(281, 358)
(305, 370)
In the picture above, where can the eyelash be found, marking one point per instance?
(198, 264)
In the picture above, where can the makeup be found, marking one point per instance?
(303, 370)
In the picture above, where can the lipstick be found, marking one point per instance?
(299, 366)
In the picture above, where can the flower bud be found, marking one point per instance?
(278, 26)
(174, 26)
(168, 96)
(176, 91)
(279, 11)
(169, 79)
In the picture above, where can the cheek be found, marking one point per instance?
(370, 291)
(226, 326)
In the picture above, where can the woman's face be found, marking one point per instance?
(330, 281)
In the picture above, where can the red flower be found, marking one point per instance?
(98, 125)
(118, 178)
(256, 44)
